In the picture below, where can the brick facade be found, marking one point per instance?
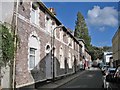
(71, 55)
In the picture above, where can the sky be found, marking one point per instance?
(101, 18)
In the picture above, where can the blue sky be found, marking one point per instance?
(101, 18)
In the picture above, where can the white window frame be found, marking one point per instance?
(61, 58)
(36, 15)
(61, 35)
(32, 17)
(72, 43)
(33, 55)
(34, 42)
(53, 27)
(48, 24)
(70, 61)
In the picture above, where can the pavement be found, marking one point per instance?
(58, 83)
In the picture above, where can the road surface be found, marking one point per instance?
(90, 79)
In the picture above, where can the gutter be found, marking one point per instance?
(15, 43)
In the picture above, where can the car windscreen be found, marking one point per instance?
(111, 71)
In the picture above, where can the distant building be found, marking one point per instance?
(82, 60)
(107, 56)
(85, 56)
(116, 48)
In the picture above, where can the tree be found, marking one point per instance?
(6, 45)
(97, 52)
(81, 30)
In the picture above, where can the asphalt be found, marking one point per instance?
(61, 82)
(58, 83)
(65, 80)
(89, 79)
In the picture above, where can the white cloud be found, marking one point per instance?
(102, 43)
(107, 16)
(102, 29)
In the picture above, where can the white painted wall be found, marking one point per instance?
(107, 57)
(6, 11)
(5, 80)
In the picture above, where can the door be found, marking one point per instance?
(48, 66)
(75, 65)
(66, 68)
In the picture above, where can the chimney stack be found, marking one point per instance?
(52, 10)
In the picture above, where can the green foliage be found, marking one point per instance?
(7, 45)
(0, 45)
(81, 30)
(106, 48)
(97, 52)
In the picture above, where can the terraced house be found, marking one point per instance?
(46, 49)
(116, 48)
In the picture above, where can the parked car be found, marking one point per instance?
(112, 81)
(110, 71)
(104, 69)
(101, 65)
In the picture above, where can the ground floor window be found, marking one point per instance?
(33, 51)
(32, 58)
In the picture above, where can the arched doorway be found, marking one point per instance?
(48, 61)
(66, 66)
(75, 64)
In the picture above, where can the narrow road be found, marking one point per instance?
(89, 79)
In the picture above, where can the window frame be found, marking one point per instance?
(34, 42)
(61, 35)
(33, 55)
(36, 12)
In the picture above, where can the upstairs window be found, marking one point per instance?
(61, 35)
(72, 43)
(53, 28)
(48, 23)
(69, 41)
(34, 13)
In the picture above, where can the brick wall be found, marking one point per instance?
(23, 75)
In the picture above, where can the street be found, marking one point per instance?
(89, 79)
(59, 44)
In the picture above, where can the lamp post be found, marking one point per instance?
(53, 37)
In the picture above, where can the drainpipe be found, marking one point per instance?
(53, 61)
(15, 44)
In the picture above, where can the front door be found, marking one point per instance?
(66, 68)
(75, 65)
(48, 66)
